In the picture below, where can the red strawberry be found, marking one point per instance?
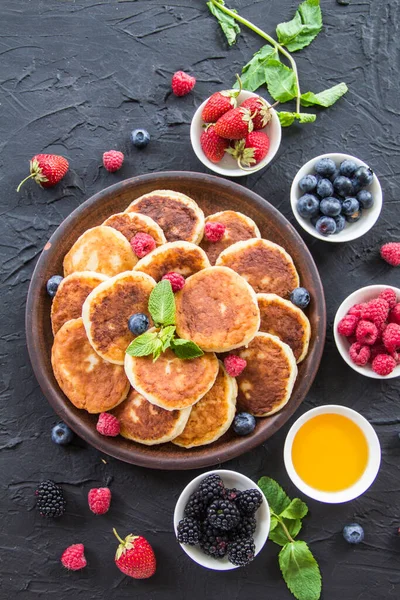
(251, 150)
(234, 124)
(218, 104)
(135, 556)
(213, 145)
(260, 111)
(46, 169)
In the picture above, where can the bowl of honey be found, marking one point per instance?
(332, 454)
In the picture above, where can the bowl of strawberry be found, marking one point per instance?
(235, 132)
(367, 331)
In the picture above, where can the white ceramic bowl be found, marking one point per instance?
(362, 295)
(370, 472)
(228, 166)
(231, 479)
(351, 231)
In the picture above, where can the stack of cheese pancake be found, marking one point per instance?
(235, 300)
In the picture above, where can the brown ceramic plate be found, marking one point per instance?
(212, 194)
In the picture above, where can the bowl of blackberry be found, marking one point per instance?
(222, 520)
(336, 197)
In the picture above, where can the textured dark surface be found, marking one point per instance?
(75, 78)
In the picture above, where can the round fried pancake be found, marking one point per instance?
(266, 383)
(211, 416)
(148, 424)
(129, 224)
(71, 294)
(282, 318)
(266, 266)
(182, 257)
(238, 227)
(101, 249)
(217, 309)
(178, 215)
(171, 382)
(86, 379)
(107, 309)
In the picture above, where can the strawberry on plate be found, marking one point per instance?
(46, 169)
(234, 124)
(135, 556)
(251, 150)
(218, 104)
(212, 144)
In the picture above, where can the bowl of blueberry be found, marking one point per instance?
(222, 520)
(336, 197)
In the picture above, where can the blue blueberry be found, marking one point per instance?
(244, 423)
(325, 167)
(300, 297)
(138, 323)
(330, 207)
(365, 199)
(308, 183)
(350, 206)
(61, 434)
(326, 225)
(356, 185)
(334, 175)
(364, 175)
(356, 216)
(348, 168)
(353, 533)
(324, 188)
(52, 285)
(343, 186)
(340, 223)
(308, 206)
(140, 138)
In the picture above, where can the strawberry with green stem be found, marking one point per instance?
(46, 169)
(219, 103)
(135, 556)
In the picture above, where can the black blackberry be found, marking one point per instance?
(188, 531)
(50, 499)
(245, 529)
(249, 501)
(223, 514)
(211, 488)
(195, 507)
(213, 541)
(241, 552)
(232, 494)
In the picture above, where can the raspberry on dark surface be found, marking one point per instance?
(359, 354)
(99, 500)
(73, 557)
(241, 552)
(50, 499)
(182, 83)
(391, 253)
(176, 280)
(113, 160)
(347, 325)
(249, 501)
(188, 531)
(223, 514)
(234, 365)
(383, 364)
(142, 244)
(214, 232)
(366, 332)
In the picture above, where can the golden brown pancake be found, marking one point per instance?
(282, 318)
(211, 416)
(178, 215)
(101, 249)
(267, 267)
(147, 423)
(107, 309)
(86, 379)
(181, 257)
(129, 224)
(238, 227)
(171, 382)
(71, 294)
(217, 309)
(266, 383)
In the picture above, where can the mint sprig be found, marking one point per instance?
(161, 307)
(299, 568)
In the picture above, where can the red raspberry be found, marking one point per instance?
(396, 356)
(359, 354)
(142, 244)
(214, 232)
(108, 425)
(99, 500)
(357, 309)
(347, 325)
(381, 329)
(182, 83)
(383, 364)
(376, 311)
(112, 160)
(391, 253)
(377, 349)
(390, 296)
(234, 365)
(176, 279)
(73, 557)
(391, 337)
(366, 333)
(394, 315)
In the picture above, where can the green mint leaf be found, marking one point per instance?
(162, 304)
(287, 118)
(186, 349)
(158, 348)
(325, 98)
(253, 73)
(297, 509)
(300, 571)
(143, 345)
(166, 335)
(278, 534)
(281, 81)
(276, 496)
(303, 28)
(227, 23)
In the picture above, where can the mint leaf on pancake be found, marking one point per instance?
(166, 335)
(227, 23)
(325, 98)
(300, 571)
(297, 509)
(186, 349)
(303, 28)
(277, 498)
(162, 304)
(144, 344)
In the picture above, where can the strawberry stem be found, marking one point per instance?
(117, 536)
(26, 179)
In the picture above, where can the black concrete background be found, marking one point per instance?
(75, 78)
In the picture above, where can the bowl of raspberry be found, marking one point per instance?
(367, 331)
(235, 133)
(336, 197)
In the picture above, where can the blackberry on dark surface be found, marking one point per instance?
(195, 507)
(249, 501)
(232, 494)
(50, 499)
(211, 488)
(245, 529)
(213, 542)
(241, 552)
(188, 531)
(223, 514)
